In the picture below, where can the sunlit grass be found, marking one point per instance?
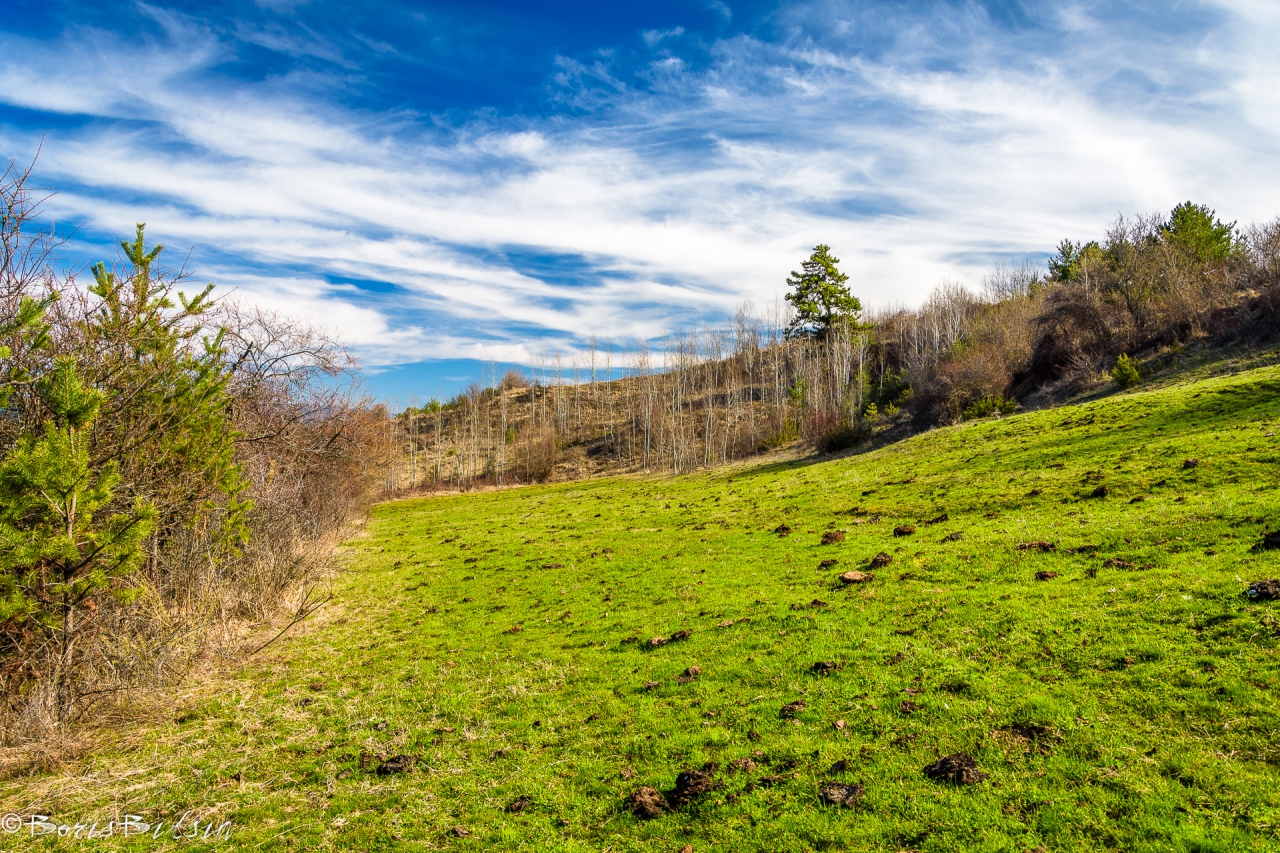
(501, 638)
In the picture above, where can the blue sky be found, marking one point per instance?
(445, 184)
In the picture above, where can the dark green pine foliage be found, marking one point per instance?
(57, 550)
(1076, 262)
(1196, 230)
(27, 328)
(820, 297)
(168, 426)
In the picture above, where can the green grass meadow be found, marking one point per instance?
(1132, 702)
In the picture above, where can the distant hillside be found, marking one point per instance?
(566, 432)
(1156, 296)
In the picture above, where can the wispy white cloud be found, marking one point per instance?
(662, 204)
(653, 37)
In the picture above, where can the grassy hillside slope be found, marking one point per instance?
(1129, 702)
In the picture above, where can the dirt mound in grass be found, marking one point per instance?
(396, 764)
(857, 577)
(692, 784)
(1267, 590)
(904, 530)
(647, 803)
(658, 642)
(1270, 541)
(824, 667)
(881, 560)
(791, 710)
(959, 769)
(831, 537)
(840, 794)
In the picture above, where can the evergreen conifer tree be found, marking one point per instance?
(56, 552)
(819, 296)
(1196, 230)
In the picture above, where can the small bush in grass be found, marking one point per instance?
(1125, 373)
(988, 406)
(842, 436)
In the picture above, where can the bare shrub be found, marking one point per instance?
(1262, 252)
(1072, 331)
(1008, 281)
(513, 380)
(1257, 314)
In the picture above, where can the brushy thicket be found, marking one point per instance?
(1033, 337)
(173, 472)
(1152, 284)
